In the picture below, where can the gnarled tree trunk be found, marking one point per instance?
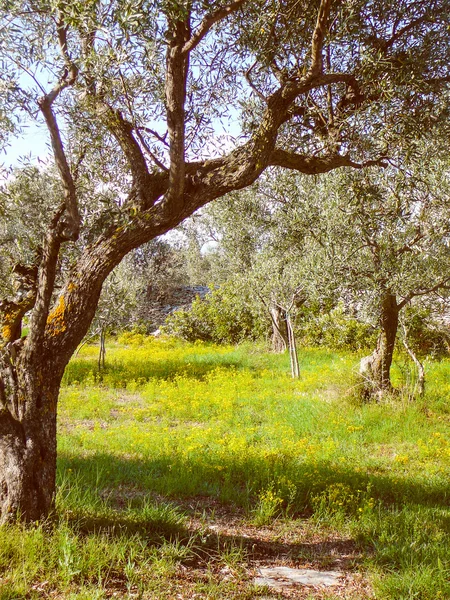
(376, 368)
(28, 396)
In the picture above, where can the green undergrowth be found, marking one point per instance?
(168, 426)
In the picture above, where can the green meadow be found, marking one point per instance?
(184, 467)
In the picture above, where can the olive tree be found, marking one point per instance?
(392, 247)
(133, 95)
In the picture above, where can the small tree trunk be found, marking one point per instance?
(28, 397)
(102, 351)
(376, 368)
(280, 336)
(295, 370)
(420, 385)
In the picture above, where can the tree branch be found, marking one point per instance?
(117, 125)
(316, 66)
(177, 66)
(122, 130)
(408, 246)
(386, 44)
(161, 138)
(294, 111)
(146, 147)
(45, 282)
(315, 164)
(13, 311)
(442, 284)
(252, 85)
(207, 22)
(45, 104)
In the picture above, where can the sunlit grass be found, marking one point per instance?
(169, 422)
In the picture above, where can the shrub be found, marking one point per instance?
(224, 316)
(338, 331)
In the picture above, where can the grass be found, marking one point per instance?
(182, 467)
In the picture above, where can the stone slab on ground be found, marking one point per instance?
(284, 577)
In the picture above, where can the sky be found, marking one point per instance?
(34, 141)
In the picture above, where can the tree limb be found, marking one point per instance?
(73, 225)
(146, 147)
(161, 138)
(442, 284)
(46, 281)
(207, 22)
(408, 246)
(45, 104)
(316, 66)
(386, 44)
(177, 66)
(314, 164)
(122, 130)
(13, 311)
(118, 125)
(252, 85)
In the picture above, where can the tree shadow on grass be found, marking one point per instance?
(209, 514)
(207, 543)
(127, 483)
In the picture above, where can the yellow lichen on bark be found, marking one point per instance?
(56, 319)
(7, 325)
(6, 333)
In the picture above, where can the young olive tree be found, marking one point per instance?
(251, 252)
(132, 94)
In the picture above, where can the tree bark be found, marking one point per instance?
(280, 337)
(376, 368)
(28, 397)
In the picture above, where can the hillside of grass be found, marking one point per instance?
(184, 467)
